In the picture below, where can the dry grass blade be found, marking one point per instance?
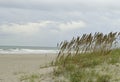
(97, 43)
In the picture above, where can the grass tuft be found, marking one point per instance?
(77, 58)
(29, 78)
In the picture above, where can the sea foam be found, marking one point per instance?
(27, 51)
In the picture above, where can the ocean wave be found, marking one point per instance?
(26, 51)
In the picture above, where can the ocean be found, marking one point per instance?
(27, 50)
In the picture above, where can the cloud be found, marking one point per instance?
(73, 5)
(43, 26)
(19, 29)
(72, 25)
(56, 19)
(24, 29)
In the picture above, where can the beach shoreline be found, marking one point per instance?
(12, 65)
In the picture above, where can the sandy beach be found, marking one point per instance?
(13, 66)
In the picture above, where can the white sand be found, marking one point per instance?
(11, 66)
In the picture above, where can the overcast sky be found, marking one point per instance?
(47, 22)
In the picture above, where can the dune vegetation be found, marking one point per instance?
(89, 58)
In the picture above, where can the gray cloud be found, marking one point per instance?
(17, 17)
(55, 5)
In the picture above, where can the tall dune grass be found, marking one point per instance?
(86, 51)
(97, 43)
